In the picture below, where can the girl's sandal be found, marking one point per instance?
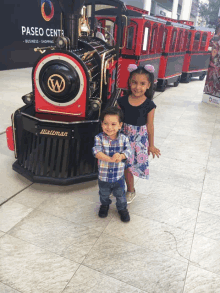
(130, 196)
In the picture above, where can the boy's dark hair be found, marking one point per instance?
(141, 70)
(112, 111)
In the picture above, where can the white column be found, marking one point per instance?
(186, 9)
(174, 10)
(147, 5)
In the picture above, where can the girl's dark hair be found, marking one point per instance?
(112, 111)
(141, 70)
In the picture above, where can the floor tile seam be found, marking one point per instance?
(71, 222)
(71, 278)
(206, 167)
(37, 207)
(171, 202)
(183, 188)
(16, 226)
(106, 275)
(194, 233)
(164, 223)
(44, 248)
(152, 250)
(186, 161)
(11, 287)
(3, 132)
(184, 173)
(183, 161)
(8, 199)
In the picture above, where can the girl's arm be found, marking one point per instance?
(150, 130)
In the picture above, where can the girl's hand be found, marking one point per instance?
(154, 151)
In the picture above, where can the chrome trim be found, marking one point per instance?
(105, 69)
(58, 122)
(43, 49)
(126, 31)
(58, 112)
(14, 137)
(102, 72)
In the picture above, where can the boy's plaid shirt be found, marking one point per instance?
(111, 172)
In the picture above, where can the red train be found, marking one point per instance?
(86, 71)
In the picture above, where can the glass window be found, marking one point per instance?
(188, 40)
(164, 40)
(173, 41)
(145, 42)
(153, 39)
(130, 37)
(197, 36)
(196, 41)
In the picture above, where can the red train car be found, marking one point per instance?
(197, 56)
(141, 41)
(173, 53)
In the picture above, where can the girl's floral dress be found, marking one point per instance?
(138, 162)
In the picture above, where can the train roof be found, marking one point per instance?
(200, 28)
(132, 13)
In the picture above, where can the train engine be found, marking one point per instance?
(53, 134)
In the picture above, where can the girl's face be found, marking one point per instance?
(139, 83)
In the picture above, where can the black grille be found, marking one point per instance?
(57, 157)
(49, 158)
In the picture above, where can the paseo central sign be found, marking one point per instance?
(39, 31)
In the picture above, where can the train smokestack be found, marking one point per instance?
(71, 11)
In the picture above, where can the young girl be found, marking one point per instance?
(138, 110)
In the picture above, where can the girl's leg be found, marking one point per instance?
(129, 178)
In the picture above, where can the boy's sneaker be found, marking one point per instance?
(103, 211)
(130, 196)
(125, 217)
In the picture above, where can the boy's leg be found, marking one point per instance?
(104, 192)
(119, 193)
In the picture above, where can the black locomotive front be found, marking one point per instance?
(53, 134)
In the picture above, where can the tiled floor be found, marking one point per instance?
(51, 239)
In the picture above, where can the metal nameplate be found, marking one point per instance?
(53, 132)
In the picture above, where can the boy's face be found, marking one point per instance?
(111, 125)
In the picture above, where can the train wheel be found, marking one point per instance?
(176, 83)
(163, 86)
(202, 76)
(188, 78)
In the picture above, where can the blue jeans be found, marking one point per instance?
(118, 190)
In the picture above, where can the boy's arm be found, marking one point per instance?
(98, 151)
(104, 157)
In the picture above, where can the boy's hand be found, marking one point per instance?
(154, 151)
(117, 157)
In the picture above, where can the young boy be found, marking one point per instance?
(111, 149)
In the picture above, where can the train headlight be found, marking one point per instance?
(28, 99)
(95, 105)
(59, 80)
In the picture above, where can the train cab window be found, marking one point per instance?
(196, 41)
(130, 38)
(173, 40)
(145, 41)
(179, 42)
(188, 41)
(164, 40)
(203, 42)
(153, 42)
(146, 37)
(161, 39)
